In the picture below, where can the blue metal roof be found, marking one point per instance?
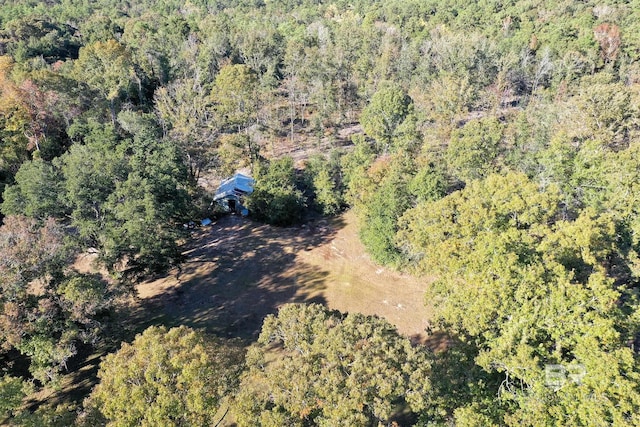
(238, 184)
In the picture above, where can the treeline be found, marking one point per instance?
(500, 153)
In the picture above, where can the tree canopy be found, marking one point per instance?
(330, 369)
(167, 377)
(531, 290)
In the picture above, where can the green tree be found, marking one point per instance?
(606, 109)
(235, 95)
(139, 228)
(12, 391)
(429, 182)
(156, 42)
(91, 172)
(107, 68)
(37, 191)
(355, 166)
(147, 209)
(473, 149)
(235, 151)
(323, 176)
(327, 195)
(276, 198)
(50, 415)
(388, 108)
(128, 199)
(259, 44)
(14, 122)
(530, 290)
(608, 182)
(445, 100)
(330, 369)
(188, 118)
(167, 377)
(35, 37)
(461, 55)
(380, 210)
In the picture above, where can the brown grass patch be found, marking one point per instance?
(239, 271)
(356, 284)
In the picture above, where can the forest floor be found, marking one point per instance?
(238, 271)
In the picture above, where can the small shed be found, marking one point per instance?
(231, 192)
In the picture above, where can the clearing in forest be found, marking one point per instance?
(237, 271)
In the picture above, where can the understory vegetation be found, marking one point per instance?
(493, 145)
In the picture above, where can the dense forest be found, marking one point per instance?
(496, 147)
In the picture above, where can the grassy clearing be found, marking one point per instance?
(355, 283)
(239, 271)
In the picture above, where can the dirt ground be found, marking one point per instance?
(238, 271)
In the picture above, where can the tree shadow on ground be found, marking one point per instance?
(236, 273)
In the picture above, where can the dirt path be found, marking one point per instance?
(238, 271)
